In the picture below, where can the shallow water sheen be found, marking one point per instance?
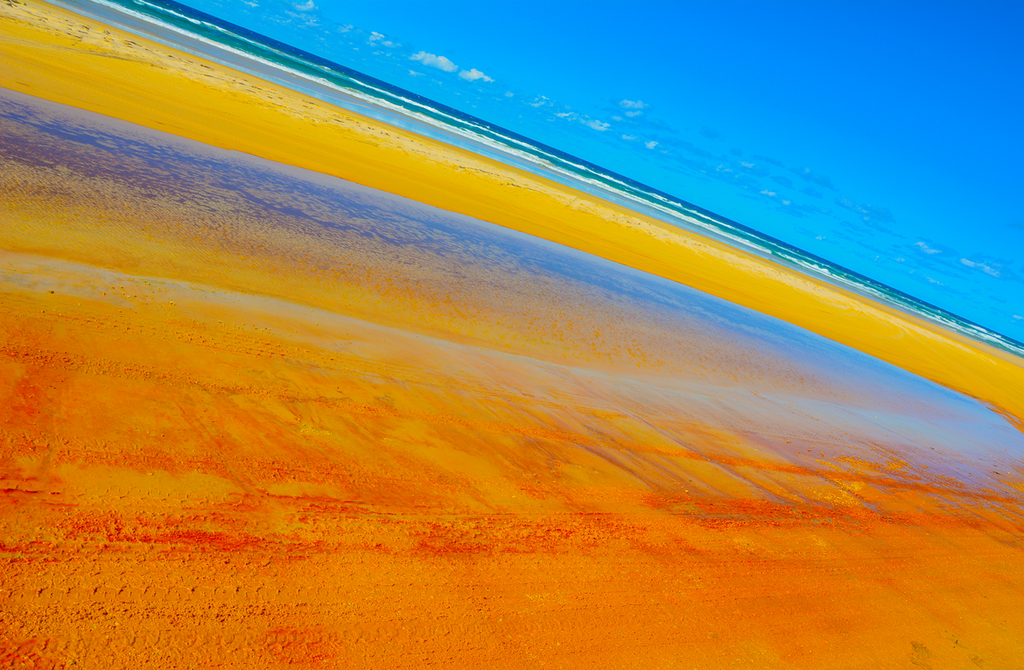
(311, 422)
(207, 36)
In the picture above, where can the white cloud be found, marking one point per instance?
(509, 94)
(651, 144)
(473, 75)
(597, 125)
(629, 137)
(440, 62)
(539, 101)
(926, 249)
(984, 267)
(1018, 317)
(306, 6)
(415, 73)
(633, 104)
(636, 112)
(377, 37)
(566, 115)
(770, 194)
(746, 165)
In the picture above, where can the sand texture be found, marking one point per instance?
(53, 54)
(254, 415)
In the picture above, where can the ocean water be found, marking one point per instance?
(204, 35)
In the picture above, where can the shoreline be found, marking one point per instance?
(258, 416)
(390, 106)
(47, 54)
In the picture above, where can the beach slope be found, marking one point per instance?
(52, 53)
(385, 404)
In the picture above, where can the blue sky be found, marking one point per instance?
(882, 136)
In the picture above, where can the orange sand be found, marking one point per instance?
(227, 442)
(197, 478)
(56, 55)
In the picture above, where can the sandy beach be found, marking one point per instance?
(50, 53)
(284, 387)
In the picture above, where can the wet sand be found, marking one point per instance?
(255, 416)
(51, 53)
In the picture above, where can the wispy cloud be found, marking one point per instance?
(651, 144)
(866, 211)
(596, 125)
(474, 75)
(633, 104)
(807, 174)
(980, 265)
(377, 38)
(629, 137)
(431, 60)
(927, 249)
(752, 168)
(305, 7)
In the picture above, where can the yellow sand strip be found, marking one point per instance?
(54, 54)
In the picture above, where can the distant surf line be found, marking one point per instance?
(207, 36)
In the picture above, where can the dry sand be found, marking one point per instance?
(53, 54)
(251, 416)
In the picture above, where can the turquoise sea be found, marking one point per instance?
(201, 34)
